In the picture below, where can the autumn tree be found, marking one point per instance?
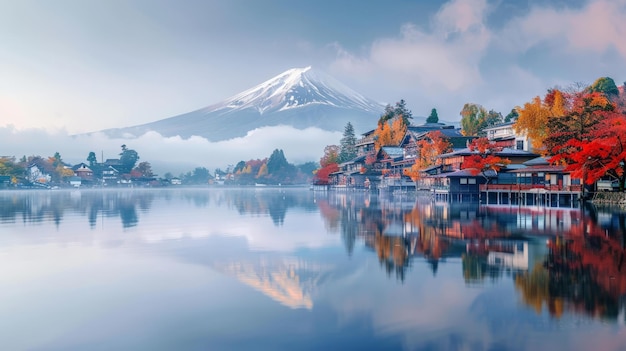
(534, 116)
(599, 153)
(484, 157)
(569, 132)
(433, 117)
(331, 155)
(8, 167)
(328, 164)
(389, 133)
(322, 176)
(262, 171)
(145, 169)
(428, 150)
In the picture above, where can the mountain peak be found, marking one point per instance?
(299, 97)
(295, 88)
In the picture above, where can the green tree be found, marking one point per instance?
(308, 168)
(472, 119)
(128, 159)
(199, 175)
(347, 144)
(92, 159)
(493, 118)
(276, 162)
(239, 167)
(399, 109)
(434, 117)
(606, 86)
(512, 116)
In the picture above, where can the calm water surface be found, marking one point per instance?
(290, 269)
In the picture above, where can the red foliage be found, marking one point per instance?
(323, 174)
(484, 158)
(601, 151)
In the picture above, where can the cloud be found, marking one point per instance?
(172, 154)
(444, 57)
(497, 54)
(598, 26)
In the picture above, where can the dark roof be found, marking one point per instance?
(505, 152)
(537, 161)
(357, 159)
(393, 151)
(541, 168)
(468, 172)
(427, 127)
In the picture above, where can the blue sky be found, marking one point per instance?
(72, 66)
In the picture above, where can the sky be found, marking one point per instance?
(74, 66)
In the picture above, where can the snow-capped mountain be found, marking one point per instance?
(299, 97)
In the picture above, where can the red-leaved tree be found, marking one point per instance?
(484, 157)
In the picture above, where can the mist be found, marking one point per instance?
(171, 154)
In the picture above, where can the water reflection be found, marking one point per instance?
(43, 206)
(558, 259)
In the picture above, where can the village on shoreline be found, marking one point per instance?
(555, 151)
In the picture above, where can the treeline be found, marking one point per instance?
(53, 170)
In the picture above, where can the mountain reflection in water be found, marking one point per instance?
(355, 262)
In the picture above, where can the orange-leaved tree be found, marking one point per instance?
(428, 150)
(389, 134)
(484, 157)
(328, 163)
(534, 116)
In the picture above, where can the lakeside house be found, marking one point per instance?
(528, 179)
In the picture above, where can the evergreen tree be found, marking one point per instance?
(399, 110)
(347, 144)
(276, 162)
(512, 116)
(128, 158)
(433, 118)
(606, 86)
(92, 158)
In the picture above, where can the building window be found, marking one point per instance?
(471, 181)
(463, 180)
(520, 144)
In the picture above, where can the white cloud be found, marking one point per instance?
(446, 57)
(173, 154)
(598, 26)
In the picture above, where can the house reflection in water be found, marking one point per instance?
(553, 255)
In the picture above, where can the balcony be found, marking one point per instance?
(530, 187)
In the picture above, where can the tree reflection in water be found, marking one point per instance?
(560, 260)
(39, 206)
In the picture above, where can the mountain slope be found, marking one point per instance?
(300, 98)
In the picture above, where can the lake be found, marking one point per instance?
(293, 269)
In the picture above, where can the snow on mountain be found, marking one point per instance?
(296, 88)
(299, 97)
